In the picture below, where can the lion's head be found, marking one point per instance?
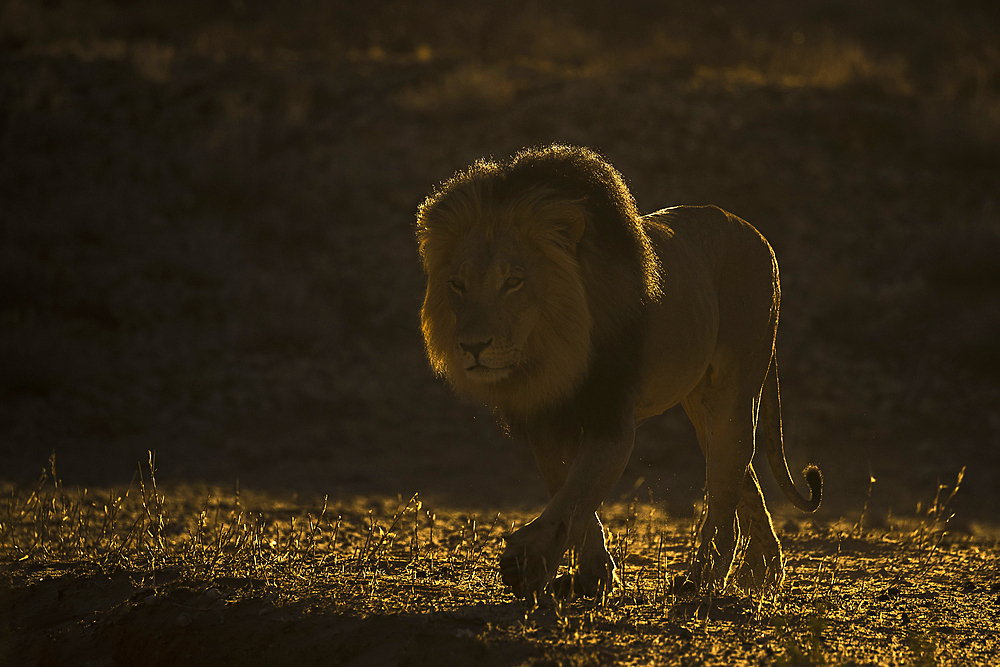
(514, 254)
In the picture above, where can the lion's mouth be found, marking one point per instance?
(486, 373)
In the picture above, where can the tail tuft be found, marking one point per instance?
(815, 480)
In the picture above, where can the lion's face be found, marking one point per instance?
(495, 297)
(506, 316)
(506, 319)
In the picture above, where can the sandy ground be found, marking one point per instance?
(431, 595)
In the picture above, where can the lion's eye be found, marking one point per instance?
(457, 286)
(512, 283)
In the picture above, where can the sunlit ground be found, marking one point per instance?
(218, 575)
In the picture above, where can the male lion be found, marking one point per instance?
(551, 299)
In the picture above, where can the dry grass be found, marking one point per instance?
(910, 594)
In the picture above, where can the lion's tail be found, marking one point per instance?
(770, 408)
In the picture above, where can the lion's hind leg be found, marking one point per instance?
(723, 419)
(728, 457)
(760, 562)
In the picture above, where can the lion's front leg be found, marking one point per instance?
(579, 477)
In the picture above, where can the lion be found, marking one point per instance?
(550, 299)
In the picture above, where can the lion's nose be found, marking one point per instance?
(475, 348)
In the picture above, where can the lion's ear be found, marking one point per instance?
(569, 219)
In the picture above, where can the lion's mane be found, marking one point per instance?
(593, 321)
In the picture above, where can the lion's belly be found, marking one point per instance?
(680, 345)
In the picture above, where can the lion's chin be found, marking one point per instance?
(487, 375)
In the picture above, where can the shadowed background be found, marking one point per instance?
(206, 229)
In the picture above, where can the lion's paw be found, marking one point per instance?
(756, 569)
(531, 557)
(596, 577)
(582, 585)
(761, 569)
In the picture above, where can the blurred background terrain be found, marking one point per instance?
(206, 229)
